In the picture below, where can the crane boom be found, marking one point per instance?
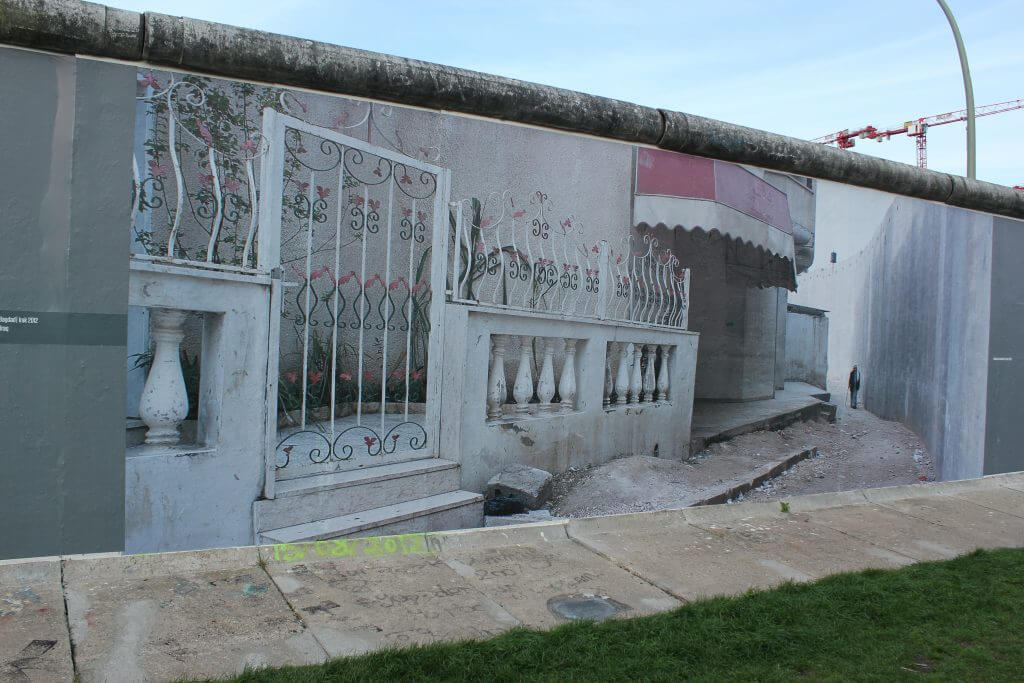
(917, 128)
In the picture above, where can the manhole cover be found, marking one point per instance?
(585, 606)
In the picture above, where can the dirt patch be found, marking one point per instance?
(859, 450)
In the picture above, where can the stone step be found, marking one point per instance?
(452, 510)
(341, 493)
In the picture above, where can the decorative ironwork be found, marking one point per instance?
(336, 451)
(522, 258)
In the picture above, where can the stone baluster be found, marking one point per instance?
(609, 377)
(663, 376)
(622, 376)
(164, 402)
(522, 390)
(635, 381)
(567, 381)
(647, 392)
(497, 391)
(546, 380)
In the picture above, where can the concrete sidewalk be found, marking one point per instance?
(717, 420)
(212, 613)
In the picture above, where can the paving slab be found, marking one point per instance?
(174, 615)
(986, 527)
(1003, 499)
(358, 595)
(812, 549)
(34, 643)
(889, 528)
(530, 570)
(684, 560)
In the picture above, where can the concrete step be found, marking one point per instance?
(452, 510)
(342, 493)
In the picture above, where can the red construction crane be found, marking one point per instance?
(917, 129)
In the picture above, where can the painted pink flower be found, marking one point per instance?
(302, 186)
(206, 179)
(375, 278)
(486, 221)
(368, 376)
(323, 192)
(370, 441)
(479, 247)
(250, 146)
(416, 374)
(292, 376)
(343, 280)
(394, 285)
(596, 249)
(618, 259)
(567, 223)
(375, 204)
(345, 376)
(522, 257)
(421, 216)
(419, 287)
(356, 199)
(156, 170)
(519, 214)
(340, 120)
(205, 134)
(318, 272)
(394, 438)
(565, 267)
(398, 374)
(406, 212)
(495, 251)
(315, 376)
(406, 179)
(232, 184)
(149, 80)
(625, 280)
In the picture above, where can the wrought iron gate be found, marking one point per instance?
(357, 236)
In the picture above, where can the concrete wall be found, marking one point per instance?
(64, 176)
(590, 435)
(912, 310)
(807, 348)
(1004, 428)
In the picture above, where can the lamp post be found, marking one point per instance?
(968, 89)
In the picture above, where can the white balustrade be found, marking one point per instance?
(663, 376)
(635, 381)
(647, 391)
(625, 353)
(609, 378)
(567, 381)
(522, 391)
(526, 386)
(636, 373)
(546, 381)
(497, 391)
(164, 403)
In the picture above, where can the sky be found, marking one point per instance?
(804, 68)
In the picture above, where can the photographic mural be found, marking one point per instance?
(358, 190)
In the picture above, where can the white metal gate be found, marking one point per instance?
(357, 236)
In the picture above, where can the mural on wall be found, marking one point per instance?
(532, 219)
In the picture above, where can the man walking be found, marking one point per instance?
(854, 385)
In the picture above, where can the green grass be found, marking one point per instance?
(956, 620)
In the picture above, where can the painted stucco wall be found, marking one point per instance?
(62, 255)
(200, 494)
(807, 348)
(590, 435)
(912, 311)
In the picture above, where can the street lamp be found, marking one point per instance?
(968, 89)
